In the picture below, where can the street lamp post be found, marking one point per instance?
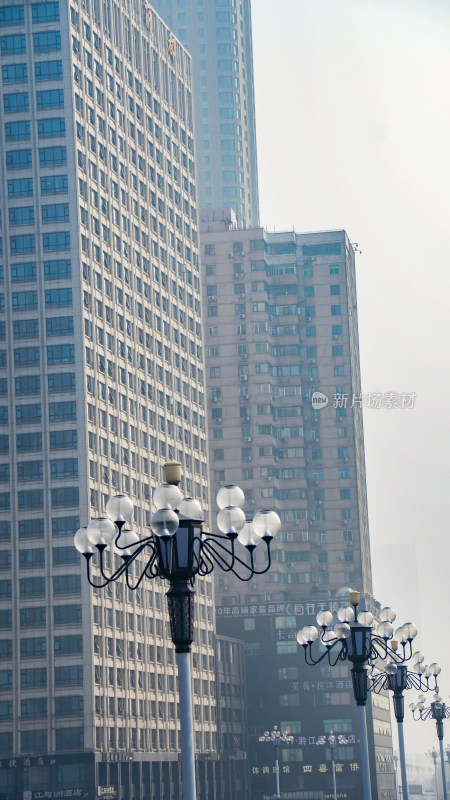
(354, 639)
(433, 753)
(332, 743)
(438, 711)
(276, 738)
(178, 550)
(397, 679)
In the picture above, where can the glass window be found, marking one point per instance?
(21, 215)
(52, 156)
(10, 45)
(67, 615)
(56, 241)
(30, 471)
(51, 127)
(69, 739)
(16, 102)
(27, 384)
(12, 15)
(65, 555)
(32, 587)
(65, 526)
(50, 98)
(67, 584)
(17, 131)
(48, 70)
(47, 40)
(45, 12)
(15, 73)
(71, 675)
(65, 496)
(31, 498)
(34, 741)
(6, 649)
(33, 617)
(29, 442)
(57, 212)
(20, 187)
(26, 356)
(54, 184)
(55, 270)
(33, 708)
(60, 354)
(31, 528)
(31, 648)
(64, 645)
(22, 244)
(59, 326)
(24, 301)
(18, 159)
(61, 382)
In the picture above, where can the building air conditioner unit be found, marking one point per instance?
(249, 458)
(307, 319)
(335, 337)
(236, 276)
(251, 502)
(276, 458)
(244, 377)
(242, 316)
(344, 460)
(212, 298)
(244, 355)
(217, 420)
(310, 380)
(225, 587)
(248, 438)
(242, 296)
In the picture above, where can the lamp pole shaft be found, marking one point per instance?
(401, 747)
(367, 791)
(277, 775)
(186, 725)
(444, 782)
(334, 780)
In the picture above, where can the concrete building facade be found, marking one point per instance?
(285, 423)
(102, 380)
(218, 35)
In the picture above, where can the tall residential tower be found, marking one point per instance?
(285, 423)
(101, 381)
(218, 35)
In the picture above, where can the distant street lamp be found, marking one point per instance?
(434, 755)
(177, 550)
(397, 679)
(355, 639)
(437, 711)
(276, 738)
(332, 741)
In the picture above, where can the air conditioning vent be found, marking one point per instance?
(242, 316)
(248, 438)
(244, 377)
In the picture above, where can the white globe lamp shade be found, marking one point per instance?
(101, 531)
(82, 542)
(230, 495)
(119, 508)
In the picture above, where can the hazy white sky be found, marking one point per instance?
(353, 124)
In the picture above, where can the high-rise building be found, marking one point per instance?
(101, 381)
(285, 423)
(218, 35)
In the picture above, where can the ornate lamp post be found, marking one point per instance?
(332, 741)
(354, 639)
(438, 711)
(178, 550)
(434, 755)
(397, 679)
(276, 738)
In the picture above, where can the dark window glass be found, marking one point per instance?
(29, 442)
(65, 555)
(59, 326)
(46, 40)
(18, 159)
(5, 624)
(4, 444)
(33, 678)
(32, 587)
(30, 470)
(22, 244)
(20, 187)
(6, 649)
(69, 676)
(26, 356)
(51, 127)
(64, 645)
(58, 412)
(30, 499)
(16, 102)
(33, 617)
(54, 270)
(10, 45)
(69, 739)
(37, 646)
(65, 526)
(61, 440)
(56, 241)
(70, 706)
(15, 73)
(52, 156)
(67, 584)
(54, 184)
(33, 708)
(5, 589)
(65, 496)
(333, 248)
(34, 741)
(21, 215)
(57, 212)
(25, 329)
(6, 744)
(17, 131)
(31, 528)
(33, 557)
(5, 559)
(49, 98)
(60, 354)
(64, 467)
(61, 382)
(28, 384)
(24, 301)
(67, 615)
(48, 70)
(12, 15)
(45, 12)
